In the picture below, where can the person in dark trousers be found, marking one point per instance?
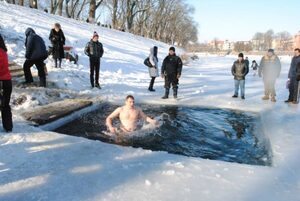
(298, 79)
(153, 71)
(35, 54)
(239, 70)
(57, 39)
(254, 67)
(269, 69)
(292, 76)
(247, 61)
(5, 88)
(171, 72)
(94, 49)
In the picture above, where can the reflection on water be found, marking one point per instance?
(216, 134)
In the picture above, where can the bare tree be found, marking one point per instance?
(114, 13)
(60, 7)
(92, 10)
(268, 39)
(21, 2)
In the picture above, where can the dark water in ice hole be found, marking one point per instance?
(217, 134)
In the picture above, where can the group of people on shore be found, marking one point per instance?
(36, 54)
(269, 69)
(171, 68)
(170, 71)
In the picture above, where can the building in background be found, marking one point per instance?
(297, 40)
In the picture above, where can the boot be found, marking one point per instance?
(97, 85)
(266, 97)
(166, 94)
(273, 99)
(175, 93)
(42, 82)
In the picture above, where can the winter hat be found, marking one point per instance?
(271, 50)
(241, 55)
(95, 34)
(172, 48)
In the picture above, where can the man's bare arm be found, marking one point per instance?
(110, 118)
(146, 118)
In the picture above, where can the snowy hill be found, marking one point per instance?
(43, 165)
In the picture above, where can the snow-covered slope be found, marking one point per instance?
(40, 165)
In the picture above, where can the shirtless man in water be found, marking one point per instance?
(128, 115)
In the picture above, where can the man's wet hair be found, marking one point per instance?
(129, 96)
(297, 49)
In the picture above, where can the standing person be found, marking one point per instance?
(57, 39)
(269, 69)
(239, 70)
(5, 88)
(153, 71)
(171, 72)
(298, 79)
(94, 49)
(293, 86)
(35, 54)
(254, 67)
(247, 62)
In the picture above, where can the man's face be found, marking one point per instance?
(129, 103)
(296, 53)
(95, 39)
(240, 59)
(171, 52)
(270, 54)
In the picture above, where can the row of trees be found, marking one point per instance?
(169, 21)
(265, 40)
(261, 41)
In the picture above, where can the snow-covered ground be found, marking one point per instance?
(43, 165)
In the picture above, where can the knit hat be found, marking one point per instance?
(172, 48)
(241, 55)
(95, 34)
(271, 50)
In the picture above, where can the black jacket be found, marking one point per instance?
(35, 46)
(239, 70)
(94, 49)
(298, 72)
(172, 64)
(294, 63)
(58, 41)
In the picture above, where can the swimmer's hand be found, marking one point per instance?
(112, 129)
(153, 122)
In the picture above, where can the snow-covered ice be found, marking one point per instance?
(43, 165)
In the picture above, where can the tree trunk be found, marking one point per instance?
(114, 13)
(60, 7)
(92, 11)
(21, 2)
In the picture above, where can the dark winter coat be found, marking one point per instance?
(298, 72)
(172, 64)
(35, 46)
(247, 62)
(292, 71)
(254, 66)
(239, 70)
(58, 41)
(94, 49)
(269, 67)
